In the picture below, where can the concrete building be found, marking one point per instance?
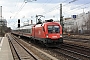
(80, 24)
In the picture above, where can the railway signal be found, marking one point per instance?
(18, 23)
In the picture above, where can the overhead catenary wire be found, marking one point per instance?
(17, 3)
(55, 7)
(21, 7)
(47, 1)
(15, 7)
(23, 4)
(81, 5)
(78, 7)
(71, 9)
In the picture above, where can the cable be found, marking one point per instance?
(21, 7)
(43, 3)
(15, 6)
(63, 5)
(23, 4)
(48, 2)
(70, 11)
(64, 1)
(70, 2)
(81, 5)
(78, 7)
(73, 8)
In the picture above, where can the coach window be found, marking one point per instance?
(28, 30)
(24, 30)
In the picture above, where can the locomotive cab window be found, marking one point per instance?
(53, 29)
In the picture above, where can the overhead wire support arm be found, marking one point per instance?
(38, 18)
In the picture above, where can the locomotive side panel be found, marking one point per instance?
(38, 31)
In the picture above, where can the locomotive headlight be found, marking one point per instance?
(46, 35)
(60, 35)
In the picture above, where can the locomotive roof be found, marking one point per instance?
(51, 23)
(47, 23)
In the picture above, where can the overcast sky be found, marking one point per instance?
(12, 10)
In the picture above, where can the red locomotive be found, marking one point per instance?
(48, 33)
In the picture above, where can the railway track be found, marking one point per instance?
(77, 40)
(36, 53)
(69, 52)
(76, 52)
(19, 51)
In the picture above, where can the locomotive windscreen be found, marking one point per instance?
(53, 29)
